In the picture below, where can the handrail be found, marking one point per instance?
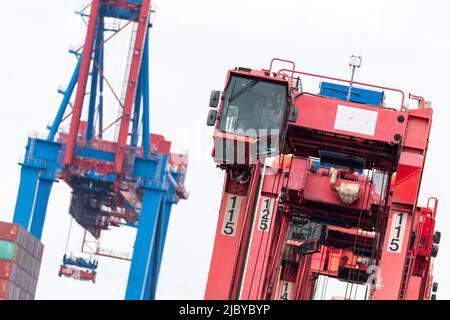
(436, 201)
(414, 97)
(420, 99)
(348, 81)
(281, 60)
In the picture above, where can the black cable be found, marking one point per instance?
(277, 182)
(368, 180)
(375, 244)
(287, 182)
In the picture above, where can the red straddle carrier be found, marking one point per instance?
(319, 185)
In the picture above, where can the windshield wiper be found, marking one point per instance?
(243, 90)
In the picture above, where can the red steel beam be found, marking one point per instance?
(82, 81)
(273, 273)
(226, 245)
(395, 268)
(144, 17)
(233, 228)
(122, 4)
(260, 244)
(245, 237)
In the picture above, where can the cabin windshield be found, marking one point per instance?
(253, 107)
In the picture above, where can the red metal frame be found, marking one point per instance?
(82, 82)
(225, 250)
(86, 248)
(141, 33)
(125, 119)
(319, 113)
(404, 200)
(268, 261)
(78, 274)
(280, 72)
(264, 225)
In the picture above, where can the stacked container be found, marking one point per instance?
(20, 261)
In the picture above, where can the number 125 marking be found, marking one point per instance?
(265, 215)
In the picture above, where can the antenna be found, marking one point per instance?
(355, 62)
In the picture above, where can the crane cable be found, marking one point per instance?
(319, 279)
(311, 232)
(68, 235)
(373, 255)
(322, 257)
(272, 280)
(350, 284)
(374, 251)
(255, 174)
(273, 277)
(367, 182)
(306, 259)
(359, 233)
(288, 229)
(261, 280)
(378, 237)
(277, 183)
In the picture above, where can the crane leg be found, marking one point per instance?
(396, 260)
(260, 249)
(234, 218)
(29, 180)
(157, 254)
(40, 208)
(141, 264)
(36, 179)
(32, 200)
(163, 225)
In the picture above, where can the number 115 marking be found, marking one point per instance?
(231, 216)
(397, 231)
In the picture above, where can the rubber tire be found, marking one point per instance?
(435, 287)
(434, 251)
(437, 237)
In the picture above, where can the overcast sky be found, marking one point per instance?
(404, 44)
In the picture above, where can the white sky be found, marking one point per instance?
(404, 44)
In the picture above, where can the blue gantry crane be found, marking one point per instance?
(130, 180)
